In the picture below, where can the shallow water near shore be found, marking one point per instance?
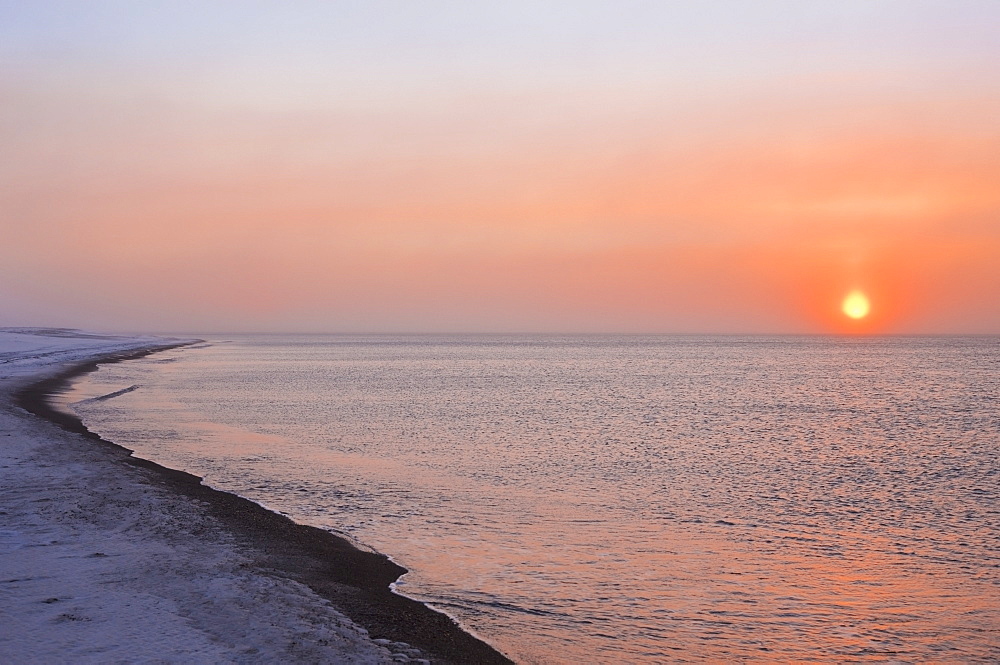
(630, 499)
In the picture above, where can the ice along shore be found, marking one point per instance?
(108, 557)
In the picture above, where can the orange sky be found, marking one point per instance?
(583, 184)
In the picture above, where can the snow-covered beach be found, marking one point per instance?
(107, 558)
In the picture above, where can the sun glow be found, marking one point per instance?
(856, 305)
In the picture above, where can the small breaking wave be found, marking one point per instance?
(108, 396)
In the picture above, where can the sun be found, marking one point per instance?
(856, 305)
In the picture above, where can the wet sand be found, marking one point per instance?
(354, 581)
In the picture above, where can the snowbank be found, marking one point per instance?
(101, 561)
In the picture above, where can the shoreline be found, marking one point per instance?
(356, 582)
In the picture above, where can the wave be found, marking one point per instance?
(108, 396)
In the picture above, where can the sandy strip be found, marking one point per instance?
(107, 558)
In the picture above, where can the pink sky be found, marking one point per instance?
(376, 167)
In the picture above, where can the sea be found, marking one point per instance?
(617, 499)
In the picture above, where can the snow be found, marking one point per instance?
(97, 566)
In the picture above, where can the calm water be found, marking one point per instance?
(619, 499)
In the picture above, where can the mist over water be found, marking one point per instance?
(631, 499)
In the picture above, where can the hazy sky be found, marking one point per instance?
(450, 166)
